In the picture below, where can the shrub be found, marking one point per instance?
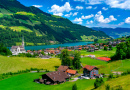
(107, 87)
(98, 82)
(110, 76)
(74, 87)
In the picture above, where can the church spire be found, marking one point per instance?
(23, 41)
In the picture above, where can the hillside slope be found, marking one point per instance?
(17, 20)
(122, 81)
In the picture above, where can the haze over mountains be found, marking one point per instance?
(114, 32)
(17, 20)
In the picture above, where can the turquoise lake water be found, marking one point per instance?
(56, 46)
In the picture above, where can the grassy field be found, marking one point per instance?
(124, 81)
(90, 61)
(13, 64)
(104, 67)
(25, 82)
(100, 53)
(19, 28)
(121, 65)
(25, 13)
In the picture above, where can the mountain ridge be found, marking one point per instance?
(114, 32)
(37, 26)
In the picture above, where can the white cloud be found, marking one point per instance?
(100, 18)
(121, 23)
(95, 8)
(92, 2)
(75, 13)
(79, 7)
(38, 6)
(87, 17)
(127, 20)
(89, 22)
(89, 7)
(58, 14)
(123, 4)
(80, 23)
(104, 8)
(78, 20)
(57, 10)
(68, 15)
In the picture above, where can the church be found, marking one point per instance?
(18, 49)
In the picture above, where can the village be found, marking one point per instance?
(66, 73)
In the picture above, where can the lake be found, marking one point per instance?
(56, 46)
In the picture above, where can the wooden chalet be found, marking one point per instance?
(90, 71)
(55, 77)
(63, 68)
(71, 72)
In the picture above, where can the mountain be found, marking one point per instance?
(38, 27)
(114, 32)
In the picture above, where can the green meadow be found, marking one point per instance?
(13, 64)
(123, 81)
(25, 82)
(100, 53)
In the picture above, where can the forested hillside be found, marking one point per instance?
(17, 20)
(114, 32)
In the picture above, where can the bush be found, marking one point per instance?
(107, 87)
(110, 76)
(74, 87)
(98, 82)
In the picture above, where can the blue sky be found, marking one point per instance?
(90, 13)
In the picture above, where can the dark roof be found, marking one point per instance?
(63, 68)
(57, 76)
(90, 68)
(21, 46)
(14, 47)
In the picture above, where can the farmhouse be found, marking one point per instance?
(90, 71)
(63, 68)
(71, 72)
(54, 77)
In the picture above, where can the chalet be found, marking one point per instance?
(71, 72)
(45, 57)
(96, 48)
(55, 77)
(90, 71)
(63, 68)
(92, 56)
(18, 49)
(91, 50)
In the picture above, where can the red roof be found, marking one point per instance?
(104, 58)
(88, 67)
(72, 58)
(71, 71)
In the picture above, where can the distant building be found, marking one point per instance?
(104, 59)
(18, 49)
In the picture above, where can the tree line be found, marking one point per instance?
(72, 59)
(122, 51)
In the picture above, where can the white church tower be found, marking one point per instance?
(23, 41)
(18, 49)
